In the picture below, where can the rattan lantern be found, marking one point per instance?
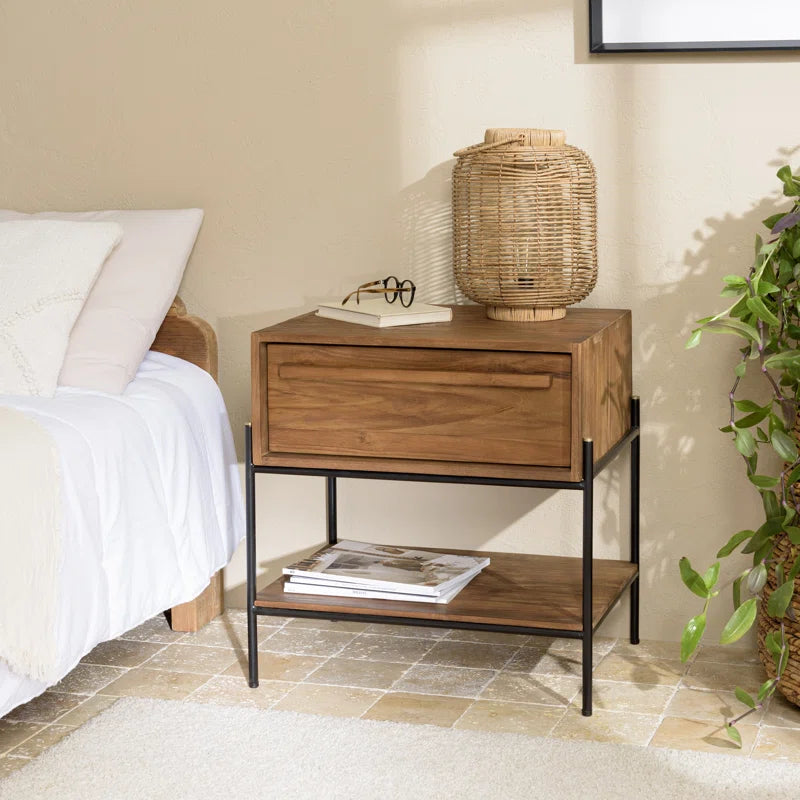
(524, 224)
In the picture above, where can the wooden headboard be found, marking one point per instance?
(192, 339)
(187, 337)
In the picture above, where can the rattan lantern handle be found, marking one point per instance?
(479, 148)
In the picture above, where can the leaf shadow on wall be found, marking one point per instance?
(693, 488)
(428, 510)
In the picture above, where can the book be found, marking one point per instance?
(380, 314)
(401, 590)
(293, 586)
(388, 568)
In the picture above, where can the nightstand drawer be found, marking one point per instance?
(419, 403)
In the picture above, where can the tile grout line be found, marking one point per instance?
(434, 641)
(663, 715)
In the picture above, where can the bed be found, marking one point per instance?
(152, 486)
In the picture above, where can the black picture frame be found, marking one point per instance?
(598, 45)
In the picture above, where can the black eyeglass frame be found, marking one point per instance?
(390, 291)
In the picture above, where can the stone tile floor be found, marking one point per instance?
(643, 695)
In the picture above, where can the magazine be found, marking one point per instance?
(388, 568)
(292, 586)
(301, 579)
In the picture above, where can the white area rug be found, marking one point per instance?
(163, 749)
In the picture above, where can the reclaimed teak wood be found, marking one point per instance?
(470, 401)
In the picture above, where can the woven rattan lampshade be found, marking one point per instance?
(524, 224)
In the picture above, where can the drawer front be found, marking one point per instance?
(431, 404)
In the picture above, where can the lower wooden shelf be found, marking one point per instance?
(528, 591)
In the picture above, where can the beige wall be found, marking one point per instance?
(318, 137)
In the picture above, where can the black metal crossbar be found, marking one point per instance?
(591, 469)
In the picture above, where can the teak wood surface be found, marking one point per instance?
(192, 339)
(471, 397)
(531, 591)
(434, 404)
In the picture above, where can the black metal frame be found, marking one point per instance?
(597, 45)
(590, 470)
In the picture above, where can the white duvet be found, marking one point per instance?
(151, 505)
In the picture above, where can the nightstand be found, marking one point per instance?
(470, 401)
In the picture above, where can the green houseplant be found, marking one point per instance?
(765, 314)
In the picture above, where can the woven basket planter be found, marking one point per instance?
(789, 684)
(524, 224)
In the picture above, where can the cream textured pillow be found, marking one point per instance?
(46, 272)
(130, 298)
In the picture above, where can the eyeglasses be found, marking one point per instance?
(390, 288)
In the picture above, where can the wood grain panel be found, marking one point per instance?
(210, 603)
(490, 407)
(523, 590)
(421, 466)
(469, 329)
(187, 337)
(422, 376)
(605, 384)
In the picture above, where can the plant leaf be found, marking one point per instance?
(734, 326)
(752, 419)
(745, 443)
(747, 405)
(694, 339)
(779, 600)
(772, 507)
(692, 634)
(734, 542)
(788, 358)
(740, 369)
(737, 592)
(763, 481)
(734, 280)
(763, 535)
(740, 622)
(770, 221)
(692, 579)
(744, 697)
(771, 640)
(793, 532)
(757, 579)
(766, 688)
(759, 308)
(784, 445)
(765, 288)
(787, 221)
(733, 734)
(711, 576)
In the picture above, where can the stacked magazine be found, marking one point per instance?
(383, 572)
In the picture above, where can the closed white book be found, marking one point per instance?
(388, 568)
(293, 587)
(380, 314)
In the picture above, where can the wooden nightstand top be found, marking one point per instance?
(470, 329)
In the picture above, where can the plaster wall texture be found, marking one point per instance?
(318, 137)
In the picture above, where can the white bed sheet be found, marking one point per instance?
(152, 503)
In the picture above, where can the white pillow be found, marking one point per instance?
(46, 272)
(130, 298)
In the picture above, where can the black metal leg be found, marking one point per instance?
(635, 443)
(250, 500)
(330, 503)
(588, 555)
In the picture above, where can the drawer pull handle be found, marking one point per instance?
(509, 380)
